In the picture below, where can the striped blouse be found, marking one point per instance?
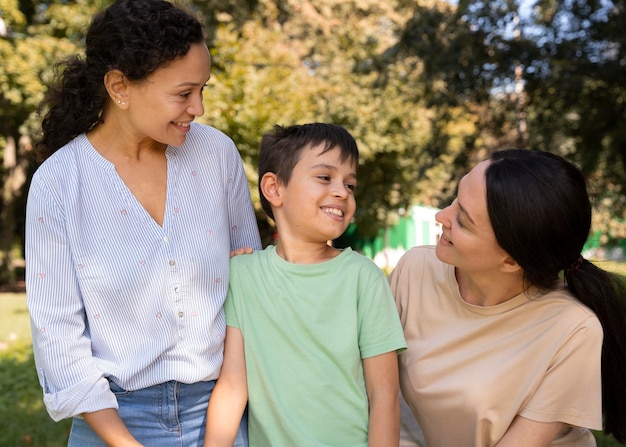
(111, 293)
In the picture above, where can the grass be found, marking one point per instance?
(23, 418)
(14, 322)
(618, 268)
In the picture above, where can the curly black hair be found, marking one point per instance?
(136, 37)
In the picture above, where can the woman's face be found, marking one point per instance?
(162, 107)
(467, 240)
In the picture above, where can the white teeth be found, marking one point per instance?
(183, 124)
(334, 211)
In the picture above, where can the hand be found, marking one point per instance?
(241, 251)
(110, 428)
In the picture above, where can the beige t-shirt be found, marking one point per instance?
(469, 370)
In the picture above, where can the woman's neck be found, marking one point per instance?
(488, 290)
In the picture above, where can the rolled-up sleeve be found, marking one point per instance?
(66, 369)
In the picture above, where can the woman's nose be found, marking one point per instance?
(196, 108)
(442, 216)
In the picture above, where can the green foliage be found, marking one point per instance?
(605, 441)
(427, 88)
(295, 62)
(570, 56)
(23, 418)
(37, 36)
(31, 48)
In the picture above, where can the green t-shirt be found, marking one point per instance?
(306, 329)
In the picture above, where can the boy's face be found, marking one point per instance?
(318, 203)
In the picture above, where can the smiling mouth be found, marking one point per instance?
(333, 211)
(445, 239)
(182, 124)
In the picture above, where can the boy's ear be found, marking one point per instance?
(270, 188)
(117, 87)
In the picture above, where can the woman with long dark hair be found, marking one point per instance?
(514, 338)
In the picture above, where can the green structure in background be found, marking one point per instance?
(615, 250)
(417, 228)
(420, 228)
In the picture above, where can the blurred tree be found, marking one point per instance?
(552, 74)
(576, 88)
(35, 35)
(299, 61)
(426, 87)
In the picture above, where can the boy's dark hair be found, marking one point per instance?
(281, 147)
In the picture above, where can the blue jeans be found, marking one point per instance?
(171, 414)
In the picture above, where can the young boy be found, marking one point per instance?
(312, 331)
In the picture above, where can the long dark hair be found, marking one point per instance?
(134, 36)
(541, 215)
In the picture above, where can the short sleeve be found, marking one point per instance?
(570, 391)
(229, 310)
(379, 325)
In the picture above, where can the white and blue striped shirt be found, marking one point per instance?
(111, 293)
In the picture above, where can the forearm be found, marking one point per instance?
(110, 428)
(230, 395)
(381, 380)
(384, 425)
(527, 433)
(226, 407)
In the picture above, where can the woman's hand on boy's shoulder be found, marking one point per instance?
(241, 251)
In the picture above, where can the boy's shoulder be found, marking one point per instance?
(352, 261)
(250, 259)
(348, 260)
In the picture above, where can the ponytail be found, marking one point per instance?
(72, 105)
(605, 294)
(541, 215)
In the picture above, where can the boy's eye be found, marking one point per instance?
(350, 186)
(326, 178)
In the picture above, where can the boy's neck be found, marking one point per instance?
(309, 254)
